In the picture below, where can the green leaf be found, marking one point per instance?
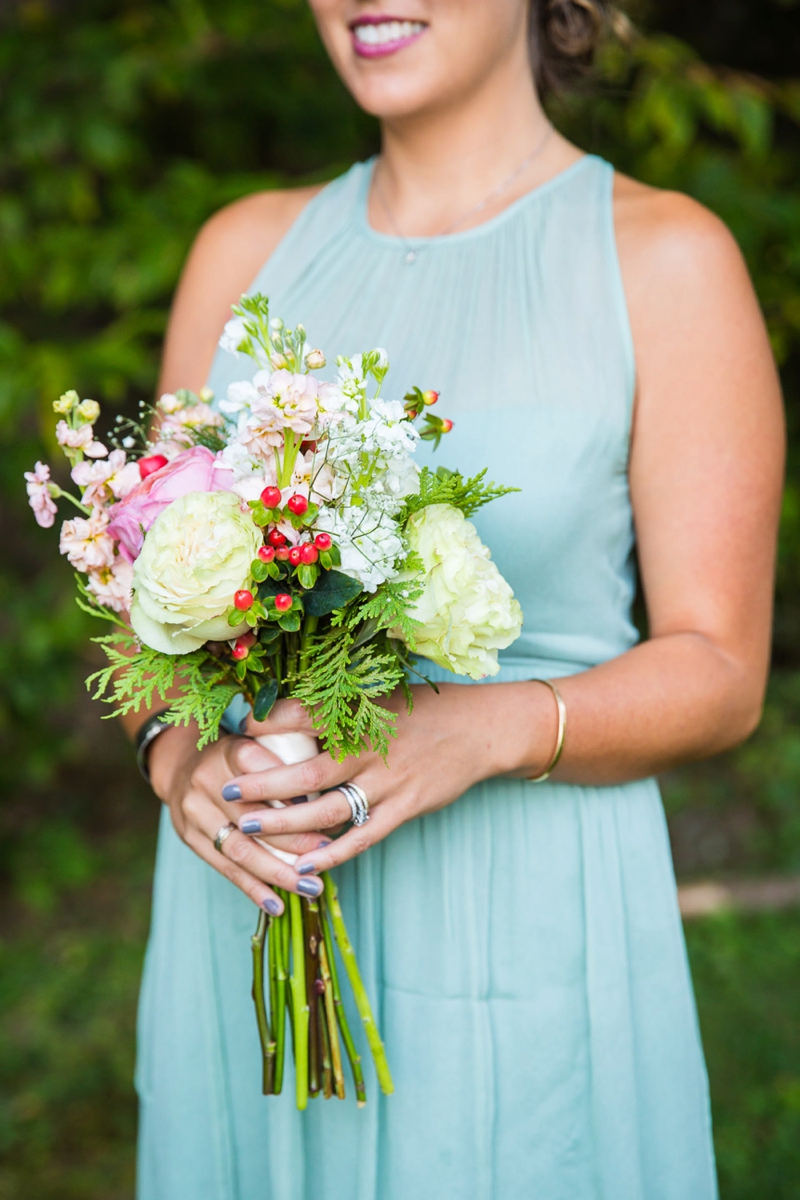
(258, 570)
(261, 515)
(307, 575)
(332, 591)
(265, 698)
(269, 634)
(234, 617)
(290, 621)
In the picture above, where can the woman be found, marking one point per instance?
(599, 346)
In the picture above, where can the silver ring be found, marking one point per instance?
(224, 833)
(357, 799)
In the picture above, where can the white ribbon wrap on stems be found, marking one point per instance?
(290, 748)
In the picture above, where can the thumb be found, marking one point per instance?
(287, 716)
(244, 757)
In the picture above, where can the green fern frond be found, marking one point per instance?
(197, 687)
(340, 687)
(450, 487)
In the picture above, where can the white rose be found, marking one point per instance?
(468, 611)
(196, 555)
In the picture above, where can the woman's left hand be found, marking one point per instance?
(450, 741)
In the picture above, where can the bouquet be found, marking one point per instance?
(282, 542)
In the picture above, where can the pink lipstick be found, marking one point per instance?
(379, 36)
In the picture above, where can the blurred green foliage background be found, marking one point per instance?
(123, 125)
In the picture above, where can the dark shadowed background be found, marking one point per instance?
(123, 125)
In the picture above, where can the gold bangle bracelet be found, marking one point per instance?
(560, 735)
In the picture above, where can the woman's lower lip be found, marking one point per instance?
(364, 50)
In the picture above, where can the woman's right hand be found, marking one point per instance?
(190, 781)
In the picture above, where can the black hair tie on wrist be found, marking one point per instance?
(146, 735)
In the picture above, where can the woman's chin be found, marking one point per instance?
(395, 97)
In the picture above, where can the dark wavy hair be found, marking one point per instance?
(564, 37)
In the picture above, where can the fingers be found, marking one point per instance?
(382, 821)
(253, 888)
(240, 859)
(244, 756)
(330, 811)
(284, 782)
(287, 716)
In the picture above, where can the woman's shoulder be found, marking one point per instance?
(238, 239)
(227, 254)
(676, 256)
(666, 237)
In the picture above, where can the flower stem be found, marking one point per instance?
(310, 910)
(353, 1056)
(329, 1003)
(359, 991)
(279, 928)
(325, 1048)
(267, 1044)
(299, 1001)
(62, 495)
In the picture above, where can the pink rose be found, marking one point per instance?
(193, 470)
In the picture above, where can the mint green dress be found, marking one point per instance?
(523, 946)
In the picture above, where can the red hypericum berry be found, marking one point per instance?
(412, 414)
(297, 505)
(430, 398)
(240, 651)
(276, 538)
(266, 553)
(271, 497)
(243, 600)
(323, 541)
(308, 554)
(283, 602)
(282, 553)
(447, 425)
(294, 556)
(153, 462)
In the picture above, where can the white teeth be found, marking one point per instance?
(387, 31)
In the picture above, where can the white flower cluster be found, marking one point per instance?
(350, 455)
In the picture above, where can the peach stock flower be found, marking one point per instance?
(38, 488)
(86, 541)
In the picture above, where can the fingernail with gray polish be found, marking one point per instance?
(298, 800)
(309, 887)
(251, 825)
(325, 842)
(231, 791)
(272, 906)
(306, 869)
(243, 725)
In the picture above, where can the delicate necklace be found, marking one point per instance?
(410, 251)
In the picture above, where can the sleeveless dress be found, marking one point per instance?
(523, 946)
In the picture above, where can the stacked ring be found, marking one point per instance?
(225, 832)
(356, 797)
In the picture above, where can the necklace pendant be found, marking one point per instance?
(411, 257)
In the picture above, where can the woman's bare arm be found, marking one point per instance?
(706, 475)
